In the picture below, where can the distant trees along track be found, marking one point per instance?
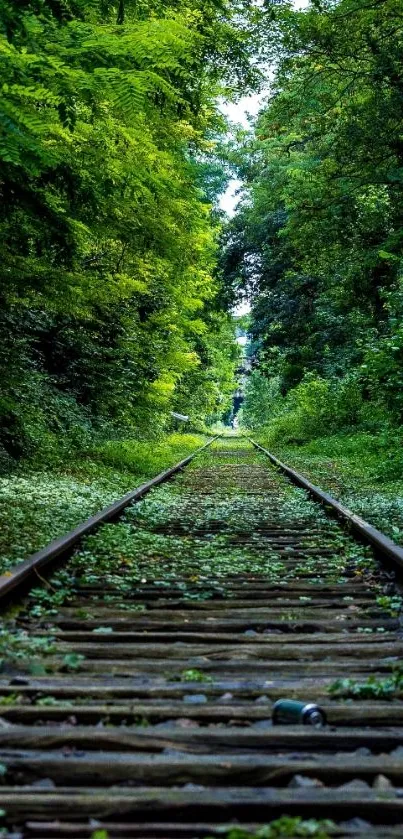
(137, 692)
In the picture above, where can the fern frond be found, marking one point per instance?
(37, 94)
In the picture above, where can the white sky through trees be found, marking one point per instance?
(242, 113)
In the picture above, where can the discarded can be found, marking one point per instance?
(291, 712)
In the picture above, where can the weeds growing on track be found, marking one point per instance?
(196, 533)
(221, 533)
(37, 506)
(284, 827)
(372, 688)
(359, 469)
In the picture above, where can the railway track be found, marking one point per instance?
(137, 694)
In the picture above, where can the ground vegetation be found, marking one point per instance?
(38, 505)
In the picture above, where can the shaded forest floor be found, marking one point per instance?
(362, 470)
(39, 504)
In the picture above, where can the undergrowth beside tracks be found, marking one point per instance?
(37, 505)
(364, 471)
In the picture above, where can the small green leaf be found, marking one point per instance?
(73, 661)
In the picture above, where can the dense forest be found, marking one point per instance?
(317, 242)
(110, 169)
(119, 271)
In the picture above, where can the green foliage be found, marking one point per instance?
(195, 676)
(372, 688)
(72, 662)
(315, 407)
(18, 649)
(383, 356)
(361, 469)
(50, 702)
(108, 131)
(38, 506)
(286, 826)
(145, 458)
(263, 400)
(318, 239)
(392, 605)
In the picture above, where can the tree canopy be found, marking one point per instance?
(118, 270)
(318, 239)
(109, 122)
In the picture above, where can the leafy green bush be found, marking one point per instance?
(313, 408)
(382, 366)
(145, 458)
(263, 400)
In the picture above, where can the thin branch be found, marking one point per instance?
(121, 258)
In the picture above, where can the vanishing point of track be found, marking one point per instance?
(227, 590)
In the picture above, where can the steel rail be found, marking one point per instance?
(361, 528)
(22, 573)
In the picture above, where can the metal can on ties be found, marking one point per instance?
(292, 712)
